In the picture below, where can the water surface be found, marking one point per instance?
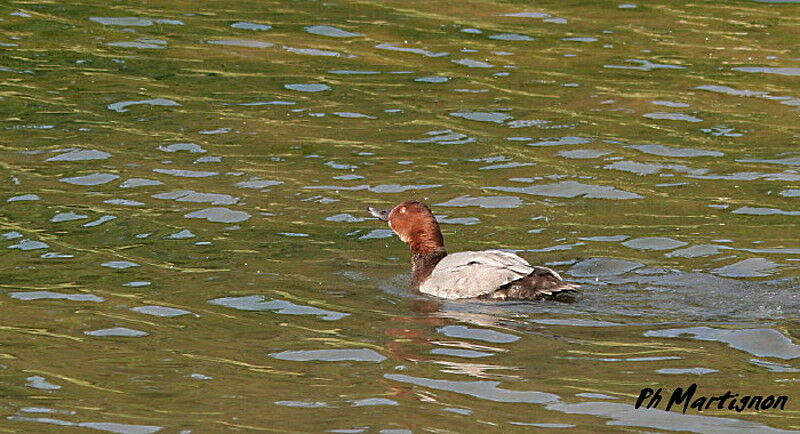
(185, 247)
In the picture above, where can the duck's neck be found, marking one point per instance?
(423, 262)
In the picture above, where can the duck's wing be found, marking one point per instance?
(475, 274)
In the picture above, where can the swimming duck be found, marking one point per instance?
(490, 274)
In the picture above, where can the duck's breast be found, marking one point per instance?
(473, 274)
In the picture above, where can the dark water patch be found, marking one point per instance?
(511, 37)
(442, 137)
(697, 296)
(651, 168)
(555, 248)
(789, 161)
(654, 243)
(698, 251)
(352, 72)
(761, 342)
(421, 51)
(527, 15)
(377, 234)
(580, 39)
(117, 332)
(122, 106)
(595, 395)
(120, 265)
(461, 411)
(568, 140)
(583, 154)
(432, 79)
(345, 218)
(92, 179)
(543, 425)
(644, 65)
(162, 311)
(208, 159)
(330, 31)
(576, 322)
(56, 255)
(139, 182)
(752, 267)
(456, 352)
(785, 100)
(29, 245)
(627, 415)
(294, 234)
(685, 371)
(304, 404)
(24, 198)
(472, 63)
(619, 359)
(353, 115)
(488, 390)
(259, 303)
(571, 189)
(81, 155)
(246, 25)
(99, 221)
(219, 215)
(123, 202)
(41, 383)
(492, 117)
(335, 355)
(509, 165)
(186, 173)
(672, 116)
(178, 147)
(181, 235)
(43, 295)
(672, 104)
(675, 151)
(119, 428)
(768, 70)
(13, 235)
(307, 87)
(241, 43)
(143, 43)
(371, 402)
(477, 334)
(134, 21)
(605, 238)
(467, 221)
(257, 183)
(483, 202)
(197, 197)
(315, 52)
(774, 366)
(598, 267)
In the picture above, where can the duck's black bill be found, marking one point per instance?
(382, 214)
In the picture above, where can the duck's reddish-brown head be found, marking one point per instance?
(415, 224)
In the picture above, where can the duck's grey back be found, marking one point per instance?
(473, 274)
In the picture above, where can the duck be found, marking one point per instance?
(486, 274)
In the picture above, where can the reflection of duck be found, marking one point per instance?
(492, 274)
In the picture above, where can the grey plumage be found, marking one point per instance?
(491, 274)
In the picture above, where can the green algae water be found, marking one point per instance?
(184, 245)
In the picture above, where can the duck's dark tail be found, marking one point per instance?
(542, 282)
